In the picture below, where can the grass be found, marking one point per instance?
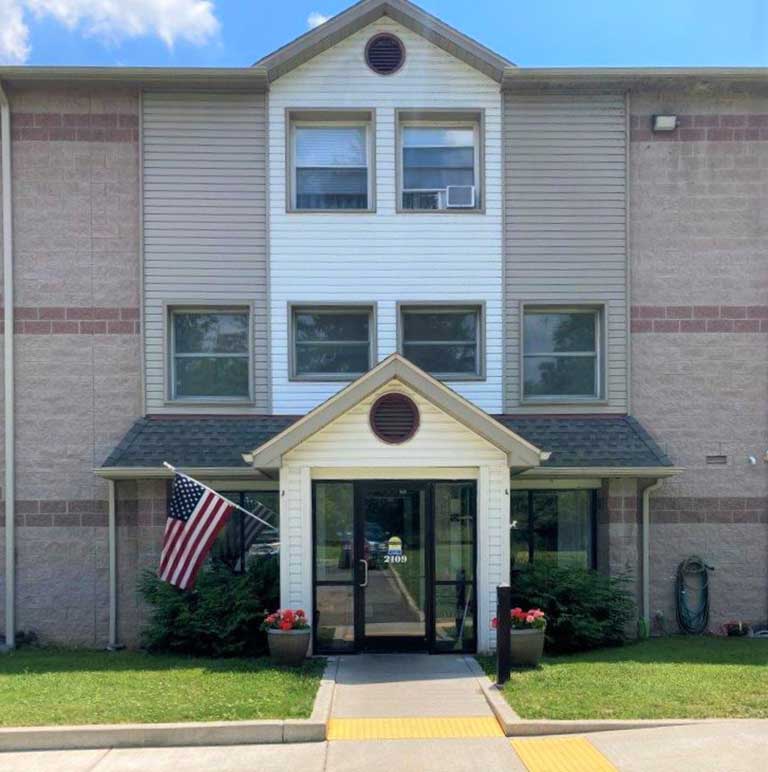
(55, 686)
(674, 677)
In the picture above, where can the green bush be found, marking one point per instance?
(584, 608)
(221, 617)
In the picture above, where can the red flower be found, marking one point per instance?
(285, 625)
(494, 623)
(300, 613)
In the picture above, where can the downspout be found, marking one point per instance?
(8, 374)
(112, 500)
(646, 548)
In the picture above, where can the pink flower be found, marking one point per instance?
(530, 619)
(494, 623)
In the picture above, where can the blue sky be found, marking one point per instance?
(217, 33)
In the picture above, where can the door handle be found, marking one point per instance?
(365, 580)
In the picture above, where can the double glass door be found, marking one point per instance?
(394, 566)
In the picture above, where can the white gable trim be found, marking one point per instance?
(360, 15)
(520, 453)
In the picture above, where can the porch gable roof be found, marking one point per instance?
(395, 368)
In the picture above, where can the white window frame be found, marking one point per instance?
(330, 308)
(170, 337)
(471, 123)
(476, 307)
(600, 313)
(332, 124)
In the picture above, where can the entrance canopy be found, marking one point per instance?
(396, 372)
(249, 446)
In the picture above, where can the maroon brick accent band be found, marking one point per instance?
(75, 127)
(739, 509)
(75, 320)
(619, 509)
(87, 513)
(733, 127)
(699, 319)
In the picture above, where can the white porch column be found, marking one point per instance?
(296, 537)
(492, 545)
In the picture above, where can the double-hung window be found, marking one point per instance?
(331, 165)
(562, 354)
(210, 354)
(446, 341)
(440, 165)
(331, 343)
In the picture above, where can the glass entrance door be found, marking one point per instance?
(394, 566)
(393, 560)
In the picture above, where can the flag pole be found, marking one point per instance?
(236, 506)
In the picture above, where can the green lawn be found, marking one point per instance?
(52, 686)
(661, 678)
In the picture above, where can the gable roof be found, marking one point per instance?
(363, 13)
(520, 453)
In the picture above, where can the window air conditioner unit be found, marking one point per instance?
(460, 196)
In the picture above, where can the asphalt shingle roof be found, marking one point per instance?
(213, 441)
(589, 440)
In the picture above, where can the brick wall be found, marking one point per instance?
(76, 249)
(699, 233)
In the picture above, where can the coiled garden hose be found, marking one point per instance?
(692, 579)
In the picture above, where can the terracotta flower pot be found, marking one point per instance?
(527, 647)
(288, 647)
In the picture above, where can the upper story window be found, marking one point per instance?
(562, 354)
(440, 164)
(210, 354)
(331, 343)
(446, 341)
(330, 162)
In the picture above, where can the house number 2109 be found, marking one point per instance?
(395, 559)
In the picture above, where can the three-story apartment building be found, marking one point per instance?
(435, 314)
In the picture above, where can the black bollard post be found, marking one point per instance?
(503, 633)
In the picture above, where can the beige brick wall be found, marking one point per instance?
(76, 234)
(699, 240)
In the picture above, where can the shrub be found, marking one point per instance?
(221, 617)
(584, 609)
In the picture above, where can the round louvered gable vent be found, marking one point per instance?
(385, 54)
(394, 418)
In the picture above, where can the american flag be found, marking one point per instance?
(195, 516)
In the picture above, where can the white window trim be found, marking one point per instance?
(369, 156)
(169, 309)
(328, 308)
(474, 124)
(477, 307)
(600, 311)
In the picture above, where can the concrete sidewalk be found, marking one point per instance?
(406, 685)
(727, 746)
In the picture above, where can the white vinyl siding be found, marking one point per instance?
(565, 233)
(385, 256)
(204, 158)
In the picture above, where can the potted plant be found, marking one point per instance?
(527, 634)
(288, 636)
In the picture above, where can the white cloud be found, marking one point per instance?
(315, 19)
(111, 20)
(14, 35)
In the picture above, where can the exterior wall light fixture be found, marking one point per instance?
(664, 122)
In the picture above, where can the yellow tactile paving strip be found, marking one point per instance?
(561, 754)
(453, 727)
